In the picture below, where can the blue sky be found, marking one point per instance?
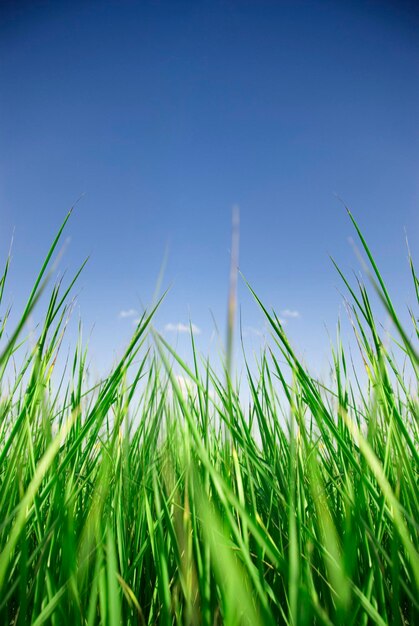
(166, 114)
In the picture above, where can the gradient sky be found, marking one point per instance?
(166, 114)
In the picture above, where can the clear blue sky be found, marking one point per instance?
(166, 114)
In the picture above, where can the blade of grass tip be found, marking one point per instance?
(69, 288)
(202, 411)
(36, 292)
(46, 262)
(160, 277)
(371, 259)
(413, 272)
(9, 349)
(385, 297)
(4, 275)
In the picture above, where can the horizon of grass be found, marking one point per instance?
(138, 500)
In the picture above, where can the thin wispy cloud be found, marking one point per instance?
(290, 313)
(252, 331)
(182, 328)
(127, 313)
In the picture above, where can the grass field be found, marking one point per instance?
(143, 501)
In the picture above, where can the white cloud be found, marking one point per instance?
(250, 330)
(128, 313)
(182, 328)
(290, 313)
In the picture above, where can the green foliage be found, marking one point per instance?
(146, 501)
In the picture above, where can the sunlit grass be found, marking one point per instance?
(144, 501)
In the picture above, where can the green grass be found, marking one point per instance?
(141, 501)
